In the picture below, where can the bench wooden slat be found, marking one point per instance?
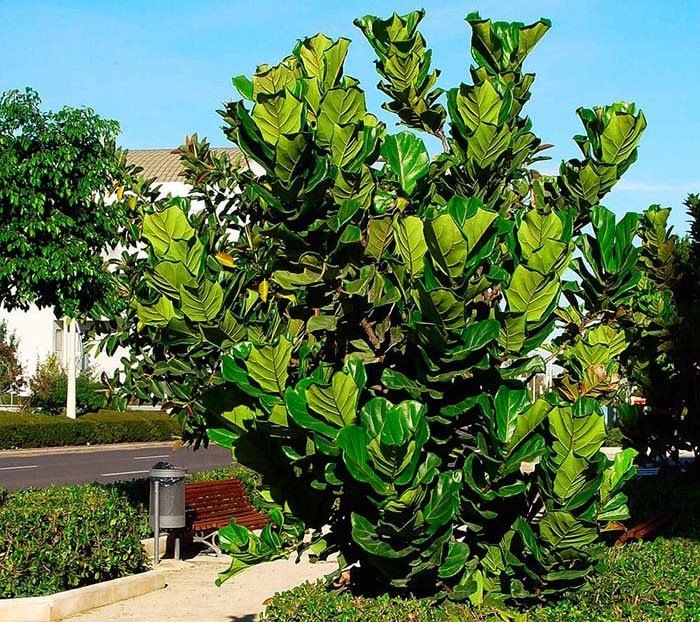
(211, 505)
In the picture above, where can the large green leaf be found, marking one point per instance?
(532, 293)
(346, 145)
(471, 218)
(158, 314)
(410, 242)
(380, 235)
(562, 530)
(583, 436)
(621, 470)
(475, 104)
(621, 136)
(295, 400)
(365, 534)
(508, 405)
(536, 228)
(269, 365)
(455, 561)
(204, 304)
(447, 245)
(444, 500)
(162, 228)
(339, 107)
(487, 144)
(278, 115)
(406, 156)
(337, 403)
(528, 421)
(570, 477)
(353, 441)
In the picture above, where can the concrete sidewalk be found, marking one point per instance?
(81, 449)
(190, 594)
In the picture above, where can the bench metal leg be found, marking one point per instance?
(210, 540)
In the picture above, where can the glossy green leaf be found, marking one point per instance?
(269, 365)
(204, 304)
(407, 157)
(337, 403)
(410, 242)
(162, 228)
(531, 293)
(158, 314)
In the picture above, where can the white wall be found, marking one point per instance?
(34, 331)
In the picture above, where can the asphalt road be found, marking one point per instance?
(41, 468)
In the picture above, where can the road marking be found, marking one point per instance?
(121, 473)
(148, 457)
(33, 466)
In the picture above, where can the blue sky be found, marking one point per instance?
(163, 68)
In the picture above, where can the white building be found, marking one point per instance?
(39, 332)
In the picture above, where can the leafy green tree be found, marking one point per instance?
(11, 371)
(56, 172)
(358, 323)
(663, 325)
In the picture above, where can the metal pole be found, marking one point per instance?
(156, 542)
(70, 366)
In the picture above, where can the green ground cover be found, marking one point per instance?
(640, 582)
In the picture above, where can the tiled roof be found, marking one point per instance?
(164, 164)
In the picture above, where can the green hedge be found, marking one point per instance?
(24, 430)
(62, 538)
(641, 582)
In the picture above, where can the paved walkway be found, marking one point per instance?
(191, 595)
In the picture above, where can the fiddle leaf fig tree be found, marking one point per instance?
(358, 320)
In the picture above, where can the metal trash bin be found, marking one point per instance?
(167, 500)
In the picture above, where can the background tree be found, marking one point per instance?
(663, 361)
(11, 371)
(57, 170)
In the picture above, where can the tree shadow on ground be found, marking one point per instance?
(246, 618)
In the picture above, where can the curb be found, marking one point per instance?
(80, 449)
(71, 602)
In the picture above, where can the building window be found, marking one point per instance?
(57, 338)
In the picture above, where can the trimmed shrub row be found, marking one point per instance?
(25, 430)
(65, 537)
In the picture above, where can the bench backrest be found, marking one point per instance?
(211, 505)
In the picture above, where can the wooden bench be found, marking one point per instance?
(645, 529)
(211, 505)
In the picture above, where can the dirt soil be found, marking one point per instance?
(190, 593)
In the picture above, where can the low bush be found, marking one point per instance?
(614, 437)
(49, 389)
(640, 582)
(25, 430)
(66, 537)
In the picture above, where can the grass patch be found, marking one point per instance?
(640, 582)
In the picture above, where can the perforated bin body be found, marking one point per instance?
(171, 497)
